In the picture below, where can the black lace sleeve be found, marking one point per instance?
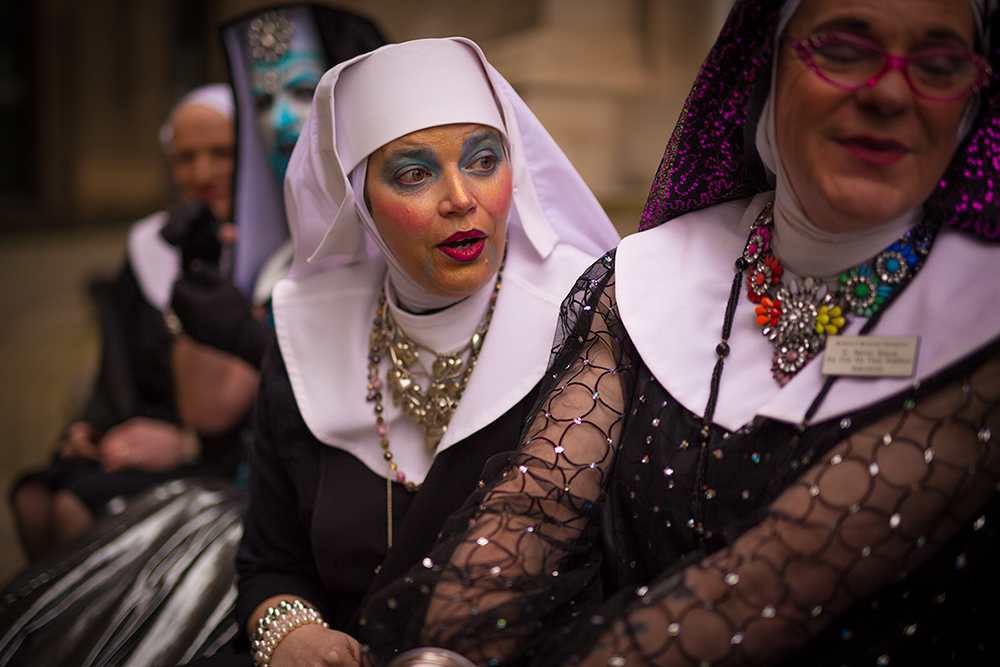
(522, 552)
(877, 505)
(516, 580)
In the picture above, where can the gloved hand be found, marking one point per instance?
(193, 228)
(214, 312)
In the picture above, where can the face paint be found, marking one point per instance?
(440, 198)
(283, 94)
(288, 64)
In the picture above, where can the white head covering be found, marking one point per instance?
(367, 118)
(803, 247)
(155, 262)
(323, 211)
(215, 96)
(323, 311)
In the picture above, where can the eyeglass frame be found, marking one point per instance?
(804, 49)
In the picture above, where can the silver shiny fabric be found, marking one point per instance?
(430, 657)
(152, 585)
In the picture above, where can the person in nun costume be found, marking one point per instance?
(161, 568)
(768, 434)
(141, 425)
(165, 519)
(437, 227)
(276, 58)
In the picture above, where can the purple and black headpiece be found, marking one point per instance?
(711, 157)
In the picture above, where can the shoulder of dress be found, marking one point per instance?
(349, 281)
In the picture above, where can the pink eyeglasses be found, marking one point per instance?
(851, 62)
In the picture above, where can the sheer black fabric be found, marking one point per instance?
(612, 538)
(135, 380)
(316, 526)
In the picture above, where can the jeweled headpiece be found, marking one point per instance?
(270, 35)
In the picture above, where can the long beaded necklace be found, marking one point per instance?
(797, 318)
(431, 409)
(865, 290)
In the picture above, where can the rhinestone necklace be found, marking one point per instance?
(431, 409)
(797, 318)
(854, 290)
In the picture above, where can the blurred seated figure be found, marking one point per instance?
(276, 57)
(163, 406)
(153, 582)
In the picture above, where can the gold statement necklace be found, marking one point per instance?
(431, 408)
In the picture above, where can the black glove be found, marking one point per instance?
(192, 228)
(215, 313)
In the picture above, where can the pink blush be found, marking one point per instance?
(496, 197)
(404, 217)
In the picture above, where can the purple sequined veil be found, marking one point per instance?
(711, 158)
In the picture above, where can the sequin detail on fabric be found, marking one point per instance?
(791, 529)
(711, 157)
(705, 160)
(797, 317)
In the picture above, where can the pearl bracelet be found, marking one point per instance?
(276, 623)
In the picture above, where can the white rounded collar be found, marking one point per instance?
(155, 263)
(672, 284)
(324, 322)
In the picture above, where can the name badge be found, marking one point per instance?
(871, 356)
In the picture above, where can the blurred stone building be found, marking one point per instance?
(85, 85)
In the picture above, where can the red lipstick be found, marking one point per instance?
(873, 151)
(464, 246)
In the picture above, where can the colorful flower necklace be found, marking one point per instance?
(797, 318)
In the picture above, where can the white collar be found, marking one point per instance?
(273, 270)
(155, 263)
(551, 204)
(324, 322)
(672, 284)
(448, 330)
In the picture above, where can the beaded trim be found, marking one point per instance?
(829, 319)
(269, 36)
(798, 317)
(432, 410)
(275, 625)
(434, 407)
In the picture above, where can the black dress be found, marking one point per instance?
(582, 554)
(317, 525)
(152, 583)
(135, 380)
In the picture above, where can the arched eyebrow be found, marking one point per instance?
(415, 153)
(479, 137)
(306, 75)
(948, 37)
(844, 23)
(393, 160)
(302, 59)
(939, 36)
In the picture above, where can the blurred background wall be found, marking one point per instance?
(84, 86)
